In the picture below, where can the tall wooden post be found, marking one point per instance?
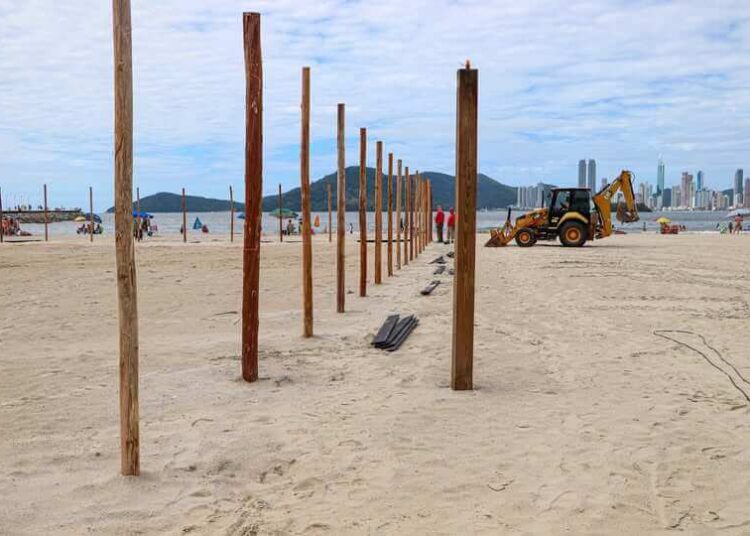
(410, 196)
(407, 195)
(184, 216)
(398, 214)
(363, 212)
(138, 206)
(378, 212)
(281, 219)
(462, 361)
(253, 193)
(330, 227)
(46, 217)
(304, 163)
(429, 210)
(417, 216)
(231, 214)
(340, 209)
(389, 253)
(91, 214)
(127, 289)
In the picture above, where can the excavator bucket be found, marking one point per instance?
(501, 237)
(624, 215)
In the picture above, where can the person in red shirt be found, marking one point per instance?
(439, 221)
(451, 226)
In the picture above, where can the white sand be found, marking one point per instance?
(583, 421)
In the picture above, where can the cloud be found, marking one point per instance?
(618, 81)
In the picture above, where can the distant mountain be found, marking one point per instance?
(168, 202)
(490, 193)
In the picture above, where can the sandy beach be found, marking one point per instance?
(584, 419)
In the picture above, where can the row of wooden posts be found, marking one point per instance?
(417, 232)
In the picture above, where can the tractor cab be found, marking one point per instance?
(568, 200)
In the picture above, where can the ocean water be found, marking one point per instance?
(218, 222)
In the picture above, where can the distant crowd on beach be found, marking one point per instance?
(10, 227)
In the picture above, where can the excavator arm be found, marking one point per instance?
(627, 212)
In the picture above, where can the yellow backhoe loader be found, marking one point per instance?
(573, 216)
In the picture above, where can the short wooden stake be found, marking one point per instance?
(466, 200)
(127, 288)
(378, 212)
(253, 194)
(307, 289)
(398, 214)
(363, 212)
(340, 210)
(281, 216)
(231, 214)
(184, 216)
(389, 253)
(330, 227)
(46, 217)
(91, 214)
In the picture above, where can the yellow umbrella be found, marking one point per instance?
(80, 219)
(663, 220)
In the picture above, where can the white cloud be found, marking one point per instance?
(613, 80)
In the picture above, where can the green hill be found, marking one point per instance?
(491, 194)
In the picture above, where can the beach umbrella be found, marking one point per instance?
(197, 224)
(663, 220)
(284, 213)
(80, 219)
(142, 215)
(87, 217)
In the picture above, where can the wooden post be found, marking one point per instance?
(389, 253)
(462, 361)
(407, 238)
(127, 289)
(410, 201)
(2, 234)
(184, 216)
(91, 214)
(281, 219)
(253, 193)
(330, 227)
(340, 210)
(46, 217)
(231, 214)
(429, 209)
(138, 206)
(398, 214)
(418, 216)
(362, 212)
(304, 163)
(378, 212)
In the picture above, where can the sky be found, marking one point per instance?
(620, 81)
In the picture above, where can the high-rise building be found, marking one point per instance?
(747, 192)
(660, 177)
(738, 185)
(592, 175)
(699, 181)
(666, 198)
(604, 183)
(582, 174)
(687, 190)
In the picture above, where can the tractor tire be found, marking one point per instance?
(525, 238)
(573, 234)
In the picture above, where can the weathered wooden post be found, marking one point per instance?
(398, 214)
(363, 212)
(127, 289)
(231, 214)
(91, 214)
(46, 217)
(184, 216)
(407, 195)
(378, 212)
(340, 209)
(429, 210)
(304, 163)
(253, 193)
(417, 216)
(462, 362)
(138, 207)
(389, 252)
(281, 219)
(330, 227)
(410, 196)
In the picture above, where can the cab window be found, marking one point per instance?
(562, 202)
